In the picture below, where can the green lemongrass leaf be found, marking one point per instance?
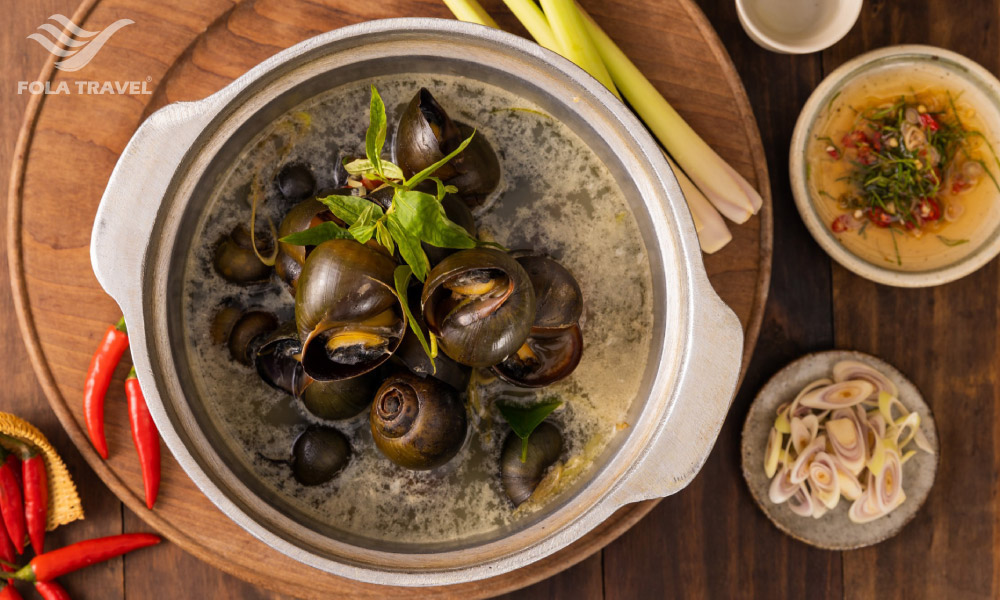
(363, 166)
(401, 277)
(314, 236)
(416, 179)
(951, 242)
(523, 420)
(375, 136)
(423, 216)
(383, 237)
(409, 246)
(471, 11)
(364, 228)
(349, 208)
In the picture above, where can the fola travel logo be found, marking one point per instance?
(76, 47)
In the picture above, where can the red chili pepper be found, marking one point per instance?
(370, 184)
(102, 367)
(51, 590)
(12, 506)
(145, 436)
(928, 209)
(928, 121)
(839, 224)
(9, 592)
(56, 563)
(15, 465)
(878, 217)
(959, 185)
(6, 548)
(36, 499)
(833, 152)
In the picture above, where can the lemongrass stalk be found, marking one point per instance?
(720, 183)
(567, 25)
(713, 234)
(471, 11)
(535, 21)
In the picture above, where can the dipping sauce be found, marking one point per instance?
(902, 167)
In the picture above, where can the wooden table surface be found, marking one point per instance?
(710, 540)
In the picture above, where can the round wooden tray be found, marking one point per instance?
(184, 51)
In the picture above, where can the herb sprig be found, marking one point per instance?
(413, 217)
(524, 420)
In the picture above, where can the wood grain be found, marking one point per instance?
(188, 52)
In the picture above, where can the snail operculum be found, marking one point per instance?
(518, 477)
(418, 423)
(480, 304)
(277, 358)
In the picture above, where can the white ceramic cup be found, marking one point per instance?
(797, 26)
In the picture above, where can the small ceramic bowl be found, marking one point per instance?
(797, 26)
(968, 82)
(834, 531)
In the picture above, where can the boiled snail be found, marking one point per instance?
(296, 181)
(426, 134)
(520, 478)
(318, 454)
(480, 304)
(555, 345)
(236, 261)
(417, 423)
(346, 310)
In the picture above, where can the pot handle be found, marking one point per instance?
(125, 218)
(681, 445)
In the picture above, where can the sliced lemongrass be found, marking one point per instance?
(850, 487)
(877, 461)
(575, 41)
(773, 453)
(726, 189)
(801, 502)
(782, 488)
(851, 369)
(535, 21)
(888, 485)
(804, 431)
(713, 234)
(819, 509)
(795, 409)
(781, 422)
(910, 424)
(800, 468)
(471, 11)
(848, 442)
(255, 194)
(907, 456)
(838, 395)
(823, 480)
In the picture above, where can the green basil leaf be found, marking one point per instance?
(363, 166)
(409, 246)
(349, 208)
(523, 420)
(423, 215)
(383, 237)
(375, 136)
(416, 179)
(402, 278)
(364, 227)
(315, 236)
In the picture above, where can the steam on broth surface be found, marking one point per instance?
(557, 198)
